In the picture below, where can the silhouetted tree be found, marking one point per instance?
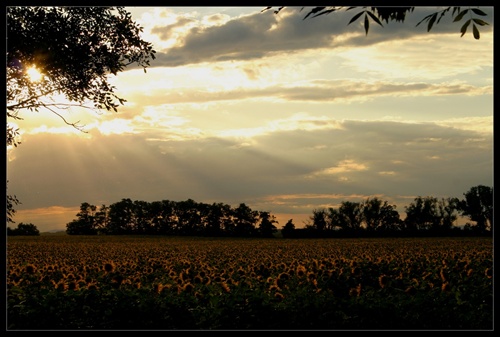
(23, 229)
(267, 226)
(143, 217)
(448, 213)
(11, 202)
(211, 219)
(227, 222)
(422, 214)
(288, 230)
(75, 49)
(245, 220)
(379, 216)
(333, 220)
(101, 219)
(319, 220)
(188, 217)
(350, 216)
(85, 224)
(121, 217)
(478, 207)
(163, 217)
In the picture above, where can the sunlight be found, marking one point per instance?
(344, 166)
(34, 74)
(115, 126)
(48, 218)
(479, 124)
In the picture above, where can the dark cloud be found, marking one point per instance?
(165, 32)
(266, 34)
(399, 159)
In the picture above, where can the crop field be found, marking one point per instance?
(173, 283)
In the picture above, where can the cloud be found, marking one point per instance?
(284, 114)
(258, 35)
(314, 90)
(344, 166)
(244, 38)
(106, 168)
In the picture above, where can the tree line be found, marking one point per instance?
(23, 230)
(166, 217)
(427, 216)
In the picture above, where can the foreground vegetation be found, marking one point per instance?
(166, 283)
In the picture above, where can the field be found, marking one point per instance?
(167, 283)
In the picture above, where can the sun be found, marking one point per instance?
(34, 74)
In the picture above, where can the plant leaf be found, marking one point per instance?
(464, 27)
(367, 24)
(325, 12)
(460, 15)
(443, 14)
(480, 22)
(355, 17)
(314, 11)
(478, 11)
(475, 31)
(424, 19)
(431, 22)
(374, 18)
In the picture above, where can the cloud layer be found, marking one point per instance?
(284, 114)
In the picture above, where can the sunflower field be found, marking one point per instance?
(188, 283)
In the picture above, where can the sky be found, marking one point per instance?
(283, 114)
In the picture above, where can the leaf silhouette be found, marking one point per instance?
(460, 15)
(456, 9)
(475, 31)
(424, 19)
(431, 22)
(314, 11)
(355, 17)
(374, 18)
(480, 22)
(385, 13)
(478, 12)
(325, 12)
(464, 27)
(367, 24)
